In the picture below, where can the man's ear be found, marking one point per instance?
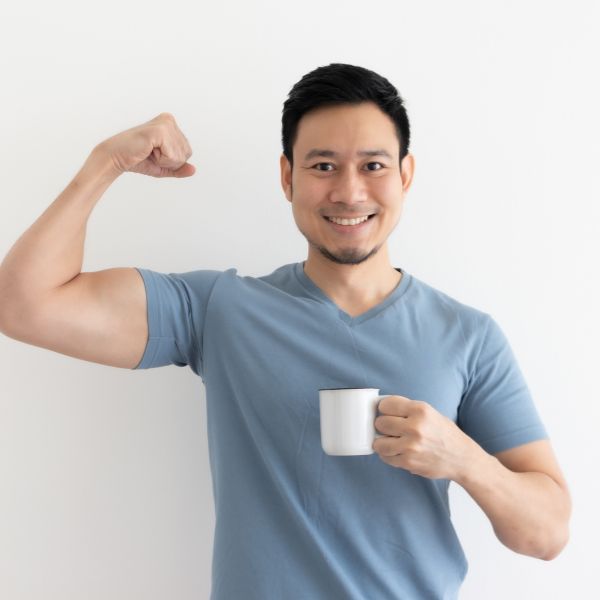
(286, 176)
(407, 171)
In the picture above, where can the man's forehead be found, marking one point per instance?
(341, 130)
(333, 154)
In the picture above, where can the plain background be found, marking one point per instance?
(104, 473)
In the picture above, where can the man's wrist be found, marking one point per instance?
(476, 464)
(100, 166)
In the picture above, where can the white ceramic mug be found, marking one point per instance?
(348, 420)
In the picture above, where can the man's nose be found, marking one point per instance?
(349, 187)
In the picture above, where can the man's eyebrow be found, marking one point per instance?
(331, 154)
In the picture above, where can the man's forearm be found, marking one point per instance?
(50, 252)
(528, 511)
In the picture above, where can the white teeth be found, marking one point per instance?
(348, 221)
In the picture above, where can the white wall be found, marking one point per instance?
(105, 484)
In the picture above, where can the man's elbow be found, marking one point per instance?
(557, 548)
(546, 544)
(561, 532)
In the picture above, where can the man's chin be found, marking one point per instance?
(343, 256)
(351, 256)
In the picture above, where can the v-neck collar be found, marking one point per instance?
(316, 292)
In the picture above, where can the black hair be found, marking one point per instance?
(339, 83)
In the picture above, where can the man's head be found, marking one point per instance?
(336, 117)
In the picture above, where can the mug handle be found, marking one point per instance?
(379, 398)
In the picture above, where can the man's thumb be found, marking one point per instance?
(186, 170)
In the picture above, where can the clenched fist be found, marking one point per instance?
(157, 148)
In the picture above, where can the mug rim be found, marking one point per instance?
(350, 388)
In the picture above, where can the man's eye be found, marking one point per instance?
(370, 163)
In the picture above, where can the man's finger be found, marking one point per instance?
(398, 406)
(390, 425)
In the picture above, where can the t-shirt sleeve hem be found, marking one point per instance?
(153, 341)
(147, 359)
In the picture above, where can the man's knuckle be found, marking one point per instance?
(412, 448)
(422, 407)
(417, 437)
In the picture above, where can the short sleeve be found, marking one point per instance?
(497, 409)
(176, 310)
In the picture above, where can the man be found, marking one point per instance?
(291, 521)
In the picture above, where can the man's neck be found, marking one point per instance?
(354, 288)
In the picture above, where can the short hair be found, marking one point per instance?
(336, 84)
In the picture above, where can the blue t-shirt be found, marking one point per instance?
(292, 522)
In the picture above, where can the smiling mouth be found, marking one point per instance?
(350, 229)
(369, 217)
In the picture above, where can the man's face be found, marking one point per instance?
(346, 183)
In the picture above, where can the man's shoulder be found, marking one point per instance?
(234, 272)
(279, 278)
(233, 275)
(434, 301)
(235, 282)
